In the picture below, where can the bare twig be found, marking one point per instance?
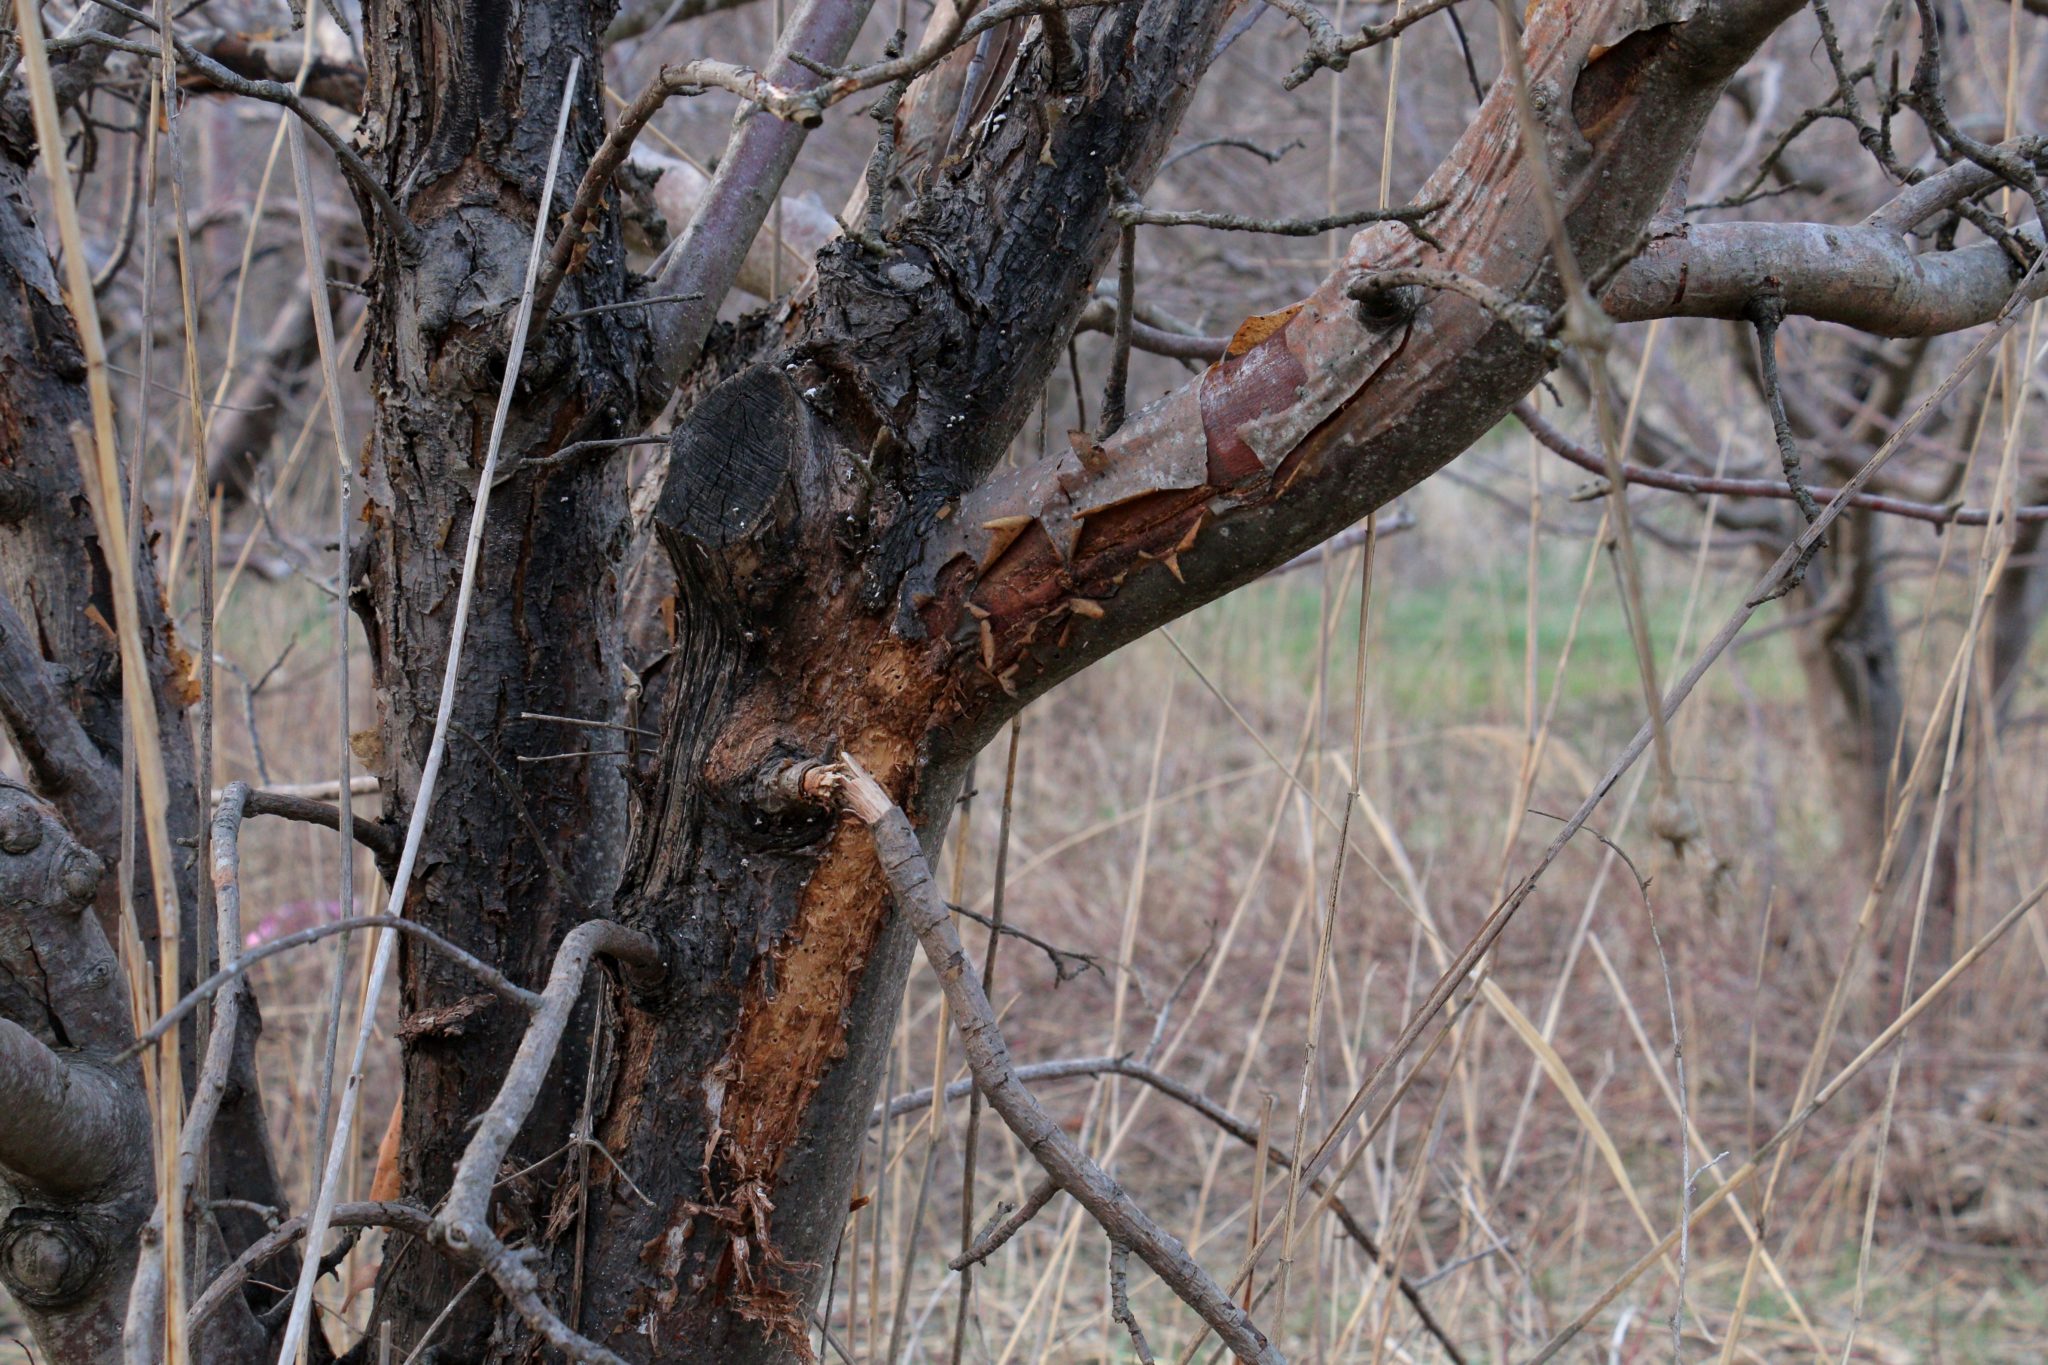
(1953, 514)
(206, 989)
(1116, 391)
(1411, 215)
(1066, 963)
(1120, 1299)
(1238, 1127)
(381, 839)
(1101, 315)
(463, 1221)
(287, 96)
(1326, 49)
(1008, 1224)
(1766, 312)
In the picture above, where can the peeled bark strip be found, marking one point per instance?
(1276, 449)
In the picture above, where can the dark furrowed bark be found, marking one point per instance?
(931, 335)
(461, 108)
(75, 1150)
(758, 1069)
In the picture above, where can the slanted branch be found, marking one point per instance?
(988, 1058)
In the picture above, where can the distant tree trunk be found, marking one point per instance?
(1850, 656)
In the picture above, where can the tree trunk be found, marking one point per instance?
(1850, 656)
(526, 835)
(850, 574)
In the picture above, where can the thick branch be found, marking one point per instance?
(58, 753)
(757, 159)
(60, 1123)
(1864, 277)
(1326, 414)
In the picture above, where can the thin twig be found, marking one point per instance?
(1120, 1299)
(381, 839)
(1410, 215)
(1937, 514)
(279, 93)
(206, 989)
(1766, 312)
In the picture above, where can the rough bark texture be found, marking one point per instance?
(796, 491)
(461, 109)
(75, 1174)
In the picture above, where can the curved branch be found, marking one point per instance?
(1324, 414)
(394, 1214)
(53, 745)
(464, 1222)
(61, 1123)
(988, 1057)
(1864, 277)
(483, 970)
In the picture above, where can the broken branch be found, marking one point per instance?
(988, 1057)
